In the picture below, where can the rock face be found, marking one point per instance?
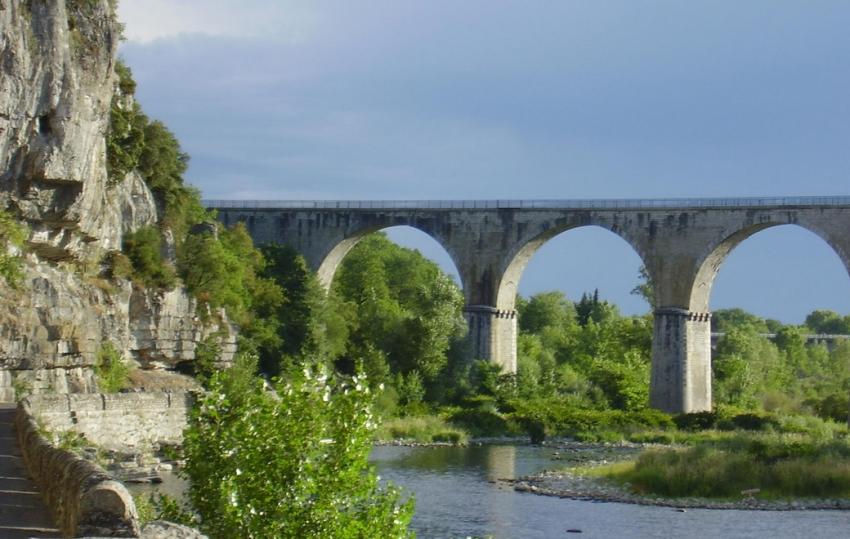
(56, 64)
(52, 328)
(57, 83)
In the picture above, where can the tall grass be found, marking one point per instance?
(778, 465)
(421, 429)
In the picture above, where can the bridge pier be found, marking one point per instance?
(681, 361)
(492, 335)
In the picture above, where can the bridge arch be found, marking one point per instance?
(331, 262)
(518, 261)
(716, 254)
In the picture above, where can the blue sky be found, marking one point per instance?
(545, 99)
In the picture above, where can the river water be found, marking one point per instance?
(458, 495)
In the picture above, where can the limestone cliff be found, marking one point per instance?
(57, 82)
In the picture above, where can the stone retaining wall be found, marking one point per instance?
(117, 421)
(84, 499)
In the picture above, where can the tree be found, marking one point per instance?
(546, 309)
(288, 464)
(830, 322)
(405, 311)
(745, 366)
(144, 249)
(223, 270)
(645, 288)
(725, 320)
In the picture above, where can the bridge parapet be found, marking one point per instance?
(541, 204)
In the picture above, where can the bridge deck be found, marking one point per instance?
(587, 204)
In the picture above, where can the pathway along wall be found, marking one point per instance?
(84, 499)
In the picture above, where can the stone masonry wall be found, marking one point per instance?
(84, 499)
(116, 421)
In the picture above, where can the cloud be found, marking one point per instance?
(151, 20)
(480, 99)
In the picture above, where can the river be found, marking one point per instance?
(458, 494)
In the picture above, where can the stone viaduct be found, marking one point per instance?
(682, 244)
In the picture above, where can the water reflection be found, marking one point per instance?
(501, 462)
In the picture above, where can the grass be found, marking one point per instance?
(421, 429)
(722, 466)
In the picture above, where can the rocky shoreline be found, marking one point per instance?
(577, 487)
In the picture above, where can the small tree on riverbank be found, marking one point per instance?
(289, 463)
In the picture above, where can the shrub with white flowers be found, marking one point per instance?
(291, 462)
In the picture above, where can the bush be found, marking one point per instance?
(421, 429)
(111, 371)
(119, 266)
(753, 421)
(481, 421)
(696, 420)
(554, 417)
(144, 249)
(289, 464)
(125, 139)
(835, 407)
(12, 234)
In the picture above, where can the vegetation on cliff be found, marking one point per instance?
(12, 236)
(220, 267)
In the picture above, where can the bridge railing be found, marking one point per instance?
(607, 204)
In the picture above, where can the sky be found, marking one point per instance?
(438, 99)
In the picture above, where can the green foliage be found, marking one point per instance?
(696, 420)
(835, 406)
(311, 324)
(725, 320)
(125, 139)
(126, 83)
(586, 353)
(12, 234)
(746, 365)
(645, 287)
(22, 388)
(830, 322)
(144, 250)
(111, 371)
(207, 354)
(777, 465)
(289, 464)
(555, 417)
(420, 429)
(481, 421)
(167, 508)
(544, 311)
(405, 311)
(225, 272)
(118, 265)
(591, 309)
(144, 508)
